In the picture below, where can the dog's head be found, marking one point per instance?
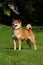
(16, 24)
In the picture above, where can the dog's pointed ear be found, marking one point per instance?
(20, 22)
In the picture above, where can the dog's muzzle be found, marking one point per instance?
(14, 26)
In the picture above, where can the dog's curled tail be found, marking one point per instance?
(28, 27)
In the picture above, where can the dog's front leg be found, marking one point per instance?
(19, 41)
(14, 45)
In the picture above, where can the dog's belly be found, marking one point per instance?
(21, 34)
(24, 34)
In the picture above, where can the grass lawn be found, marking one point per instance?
(24, 57)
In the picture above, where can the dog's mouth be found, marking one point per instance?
(15, 26)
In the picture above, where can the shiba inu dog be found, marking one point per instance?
(22, 34)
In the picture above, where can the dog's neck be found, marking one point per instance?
(17, 29)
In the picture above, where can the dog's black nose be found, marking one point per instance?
(12, 24)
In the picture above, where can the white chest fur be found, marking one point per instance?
(16, 33)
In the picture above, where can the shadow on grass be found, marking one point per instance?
(17, 48)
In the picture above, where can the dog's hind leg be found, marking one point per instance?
(33, 41)
(14, 45)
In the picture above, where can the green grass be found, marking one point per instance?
(24, 57)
